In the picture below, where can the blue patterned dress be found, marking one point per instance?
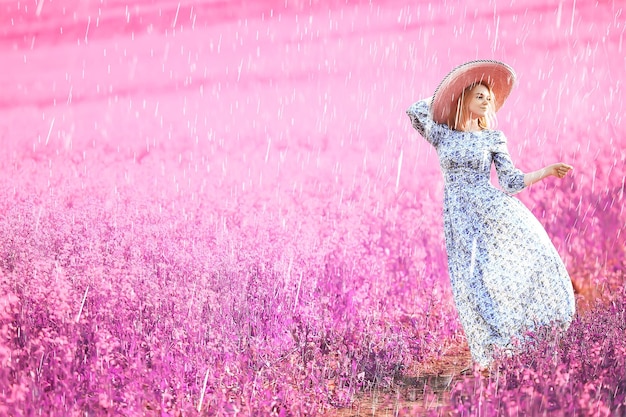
(506, 275)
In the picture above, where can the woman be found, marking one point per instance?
(507, 277)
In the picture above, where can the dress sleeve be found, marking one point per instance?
(510, 178)
(422, 121)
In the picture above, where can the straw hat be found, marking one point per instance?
(499, 76)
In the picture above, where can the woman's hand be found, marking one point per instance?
(560, 169)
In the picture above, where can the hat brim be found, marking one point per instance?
(497, 75)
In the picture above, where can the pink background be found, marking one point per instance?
(263, 98)
(196, 188)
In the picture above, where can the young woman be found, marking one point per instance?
(507, 277)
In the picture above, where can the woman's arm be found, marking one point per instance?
(422, 121)
(559, 170)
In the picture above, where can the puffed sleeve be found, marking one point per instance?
(510, 178)
(422, 121)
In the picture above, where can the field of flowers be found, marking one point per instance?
(220, 208)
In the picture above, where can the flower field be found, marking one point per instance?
(220, 208)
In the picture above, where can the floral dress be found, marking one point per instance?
(507, 277)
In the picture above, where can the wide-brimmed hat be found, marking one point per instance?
(497, 75)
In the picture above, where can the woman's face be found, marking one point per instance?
(480, 101)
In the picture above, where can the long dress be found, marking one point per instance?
(507, 277)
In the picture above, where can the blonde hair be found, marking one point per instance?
(459, 115)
